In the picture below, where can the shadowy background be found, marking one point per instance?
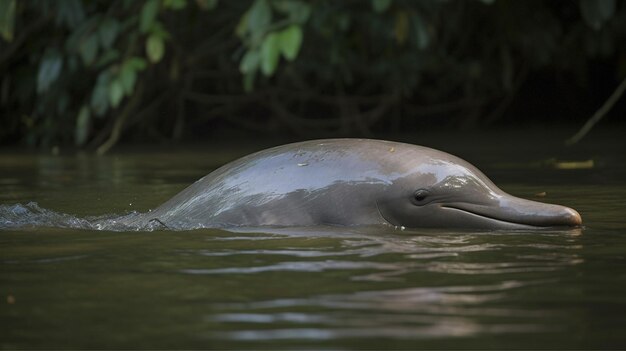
(91, 74)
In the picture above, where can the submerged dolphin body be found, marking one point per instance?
(352, 182)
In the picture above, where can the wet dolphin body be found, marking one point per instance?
(353, 182)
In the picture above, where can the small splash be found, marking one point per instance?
(31, 215)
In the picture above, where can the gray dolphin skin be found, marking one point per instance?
(349, 182)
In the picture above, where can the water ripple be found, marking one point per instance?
(424, 312)
(32, 215)
(311, 266)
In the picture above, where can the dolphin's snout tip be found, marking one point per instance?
(572, 217)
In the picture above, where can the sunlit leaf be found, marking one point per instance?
(116, 92)
(108, 32)
(7, 19)
(155, 48)
(149, 13)
(270, 53)
(88, 49)
(380, 6)
(290, 41)
(49, 70)
(249, 62)
(81, 130)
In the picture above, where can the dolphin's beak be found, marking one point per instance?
(514, 210)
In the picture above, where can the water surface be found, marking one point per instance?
(321, 288)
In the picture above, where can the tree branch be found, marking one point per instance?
(118, 125)
(601, 112)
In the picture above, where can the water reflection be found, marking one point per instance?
(498, 265)
(415, 251)
(426, 312)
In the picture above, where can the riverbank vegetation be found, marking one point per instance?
(88, 74)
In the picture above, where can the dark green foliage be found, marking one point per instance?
(80, 72)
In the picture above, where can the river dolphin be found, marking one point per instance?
(348, 182)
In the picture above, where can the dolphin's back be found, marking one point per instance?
(306, 183)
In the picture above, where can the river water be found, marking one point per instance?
(309, 288)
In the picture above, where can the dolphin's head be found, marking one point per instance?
(441, 190)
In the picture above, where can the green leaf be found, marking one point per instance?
(128, 77)
(148, 15)
(597, 12)
(290, 41)
(380, 6)
(174, 4)
(155, 48)
(297, 11)
(49, 70)
(116, 92)
(100, 94)
(89, 49)
(137, 63)
(81, 130)
(7, 19)
(260, 16)
(108, 32)
(270, 53)
(249, 62)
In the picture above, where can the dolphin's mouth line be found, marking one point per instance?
(381, 214)
(481, 215)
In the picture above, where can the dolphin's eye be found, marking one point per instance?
(420, 196)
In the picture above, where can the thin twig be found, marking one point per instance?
(118, 126)
(602, 111)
